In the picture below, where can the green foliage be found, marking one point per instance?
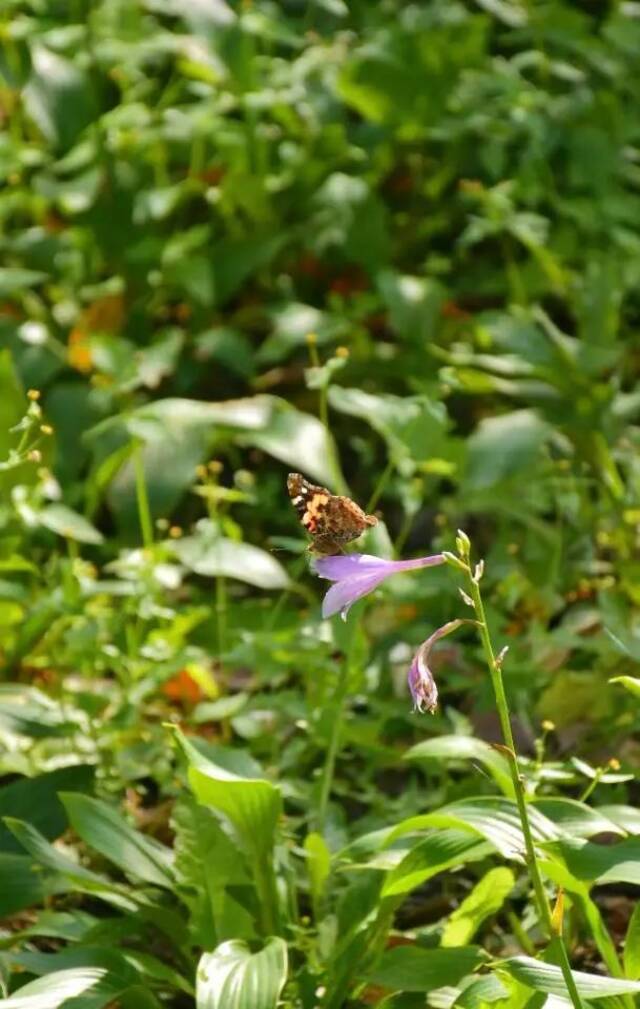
(394, 247)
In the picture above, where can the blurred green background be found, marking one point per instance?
(395, 246)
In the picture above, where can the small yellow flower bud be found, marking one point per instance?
(215, 466)
(46, 429)
(33, 395)
(175, 532)
(201, 472)
(614, 764)
(548, 725)
(342, 352)
(162, 525)
(312, 339)
(34, 455)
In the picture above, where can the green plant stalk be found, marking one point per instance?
(142, 498)
(381, 485)
(544, 909)
(266, 888)
(328, 770)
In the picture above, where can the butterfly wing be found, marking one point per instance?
(332, 520)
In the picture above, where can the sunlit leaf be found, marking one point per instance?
(232, 977)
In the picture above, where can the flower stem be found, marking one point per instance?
(542, 903)
(338, 707)
(381, 485)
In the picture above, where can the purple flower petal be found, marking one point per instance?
(353, 565)
(421, 682)
(355, 575)
(344, 593)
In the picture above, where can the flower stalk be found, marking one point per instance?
(494, 664)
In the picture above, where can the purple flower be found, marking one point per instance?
(356, 575)
(421, 682)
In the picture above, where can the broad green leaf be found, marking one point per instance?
(232, 977)
(178, 434)
(631, 957)
(414, 305)
(495, 819)
(575, 818)
(631, 683)
(58, 97)
(486, 898)
(412, 426)
(598, 863)
(546, 977)
(36, 800)
(504, 446)
(72, 926)
(221, 556)
(208, 867)
(439, 851)
(104, 829)
(626, 817)
(252, 805)
(480, 992)
(65, 522)
(414, 968)
(466, 748)
(23, 883)
(72, 875)
(54, 990)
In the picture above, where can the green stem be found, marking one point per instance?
(338, 708)
(142, 498)
(380, 487)
(544, 909)
(265, 880)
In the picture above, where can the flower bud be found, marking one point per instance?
(463, 544)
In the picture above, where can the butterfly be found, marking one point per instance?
(331, 520)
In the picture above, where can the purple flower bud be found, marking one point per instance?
(421, 682)
(356, 575)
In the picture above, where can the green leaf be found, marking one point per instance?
(414, 305)
(494, 818)
(486, 898)
(36, 799)
(598, 863)
(231, 559)
(252, 805)
(504, 446)
(413, 968)
(412, 426)
(439, 851)
(631, 958)
(12, 280)
(23, 883)
(178, 434)
(68, 523)
(104, 829)
(466, 748)
(58, 97)
(71, 874)
(54, 990)
(546, 977)
(576, 818)
(232, 977)
(318, 864)
(207, 869)
(28, 711)
(630, 683)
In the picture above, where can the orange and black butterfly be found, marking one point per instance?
(331, 520)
